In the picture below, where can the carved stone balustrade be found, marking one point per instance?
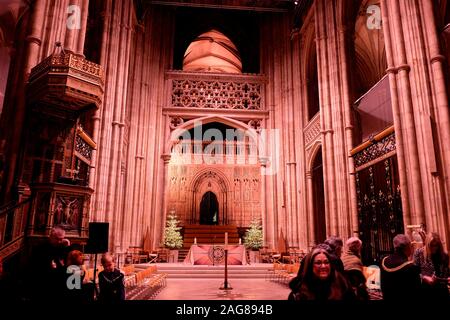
(65, 84)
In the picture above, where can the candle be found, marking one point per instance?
(226, 239)
(240, 242)
(195, 240)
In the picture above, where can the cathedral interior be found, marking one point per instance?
(316, 118)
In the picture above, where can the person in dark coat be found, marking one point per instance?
(6, 286)
(111, 281)
(320, 281)
(46, 271)
(400, 278)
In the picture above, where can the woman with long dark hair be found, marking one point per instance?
(433, 262)
(320, 280)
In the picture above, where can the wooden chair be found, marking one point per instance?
(265, 255)
(163, 255)
(153, 257)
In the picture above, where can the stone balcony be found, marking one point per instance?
(65, 84)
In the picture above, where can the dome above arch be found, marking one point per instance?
(212, 51)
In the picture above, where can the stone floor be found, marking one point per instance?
(208, 289)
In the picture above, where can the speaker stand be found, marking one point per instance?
(95, 275)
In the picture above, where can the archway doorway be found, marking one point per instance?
(318, 198)
(209, 209)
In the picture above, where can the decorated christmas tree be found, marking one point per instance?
(172, 235)
(253, 238)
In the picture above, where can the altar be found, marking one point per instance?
(208, 254)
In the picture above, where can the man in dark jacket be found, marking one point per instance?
(400, 278)
(46, 271)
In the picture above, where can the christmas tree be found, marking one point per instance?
(172, 235)
(253, 238)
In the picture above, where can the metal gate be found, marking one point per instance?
(380, 215)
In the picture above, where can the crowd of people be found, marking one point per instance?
(329, 273)
(56, 272)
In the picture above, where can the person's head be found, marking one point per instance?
(75, 258)
(354, 245)
(324, 247)
(108, 262)
(319, 267)
(336, 245)
(57, 235)
(433, 245)
(402, 244)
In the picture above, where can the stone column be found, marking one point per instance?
(77, 14)
(166, 159)
(115, 54)
(335, 119)
(310, 209)
(267, 236)
(420, 104)
(14, 105)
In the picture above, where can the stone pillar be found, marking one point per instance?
(420, 104)
(77, 14)
(110, 166)
(335, 119)
(166, 159)
(267, 235)
(14, 106)
(310, 209)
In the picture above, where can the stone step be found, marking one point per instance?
(202, 226)
(216, 276)
(206, 234)
(183, 271)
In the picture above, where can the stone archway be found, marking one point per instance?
(209, 209)
(209, 182)
(319, 220)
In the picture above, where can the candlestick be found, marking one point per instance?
(226, 240)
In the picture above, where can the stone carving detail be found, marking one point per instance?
(216, 94)
(71, 60)
(255, 124)
(376, 150)
(67, 212)
(175, 122)
(312, 130)
(83, 148)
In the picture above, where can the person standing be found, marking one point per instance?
(353, 268)
(111, 281)
(433, 262)
(336, 244)
(400, 278)
(46, 271)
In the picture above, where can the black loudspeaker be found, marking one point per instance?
(98, 237)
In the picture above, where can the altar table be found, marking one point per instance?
(202, 254)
